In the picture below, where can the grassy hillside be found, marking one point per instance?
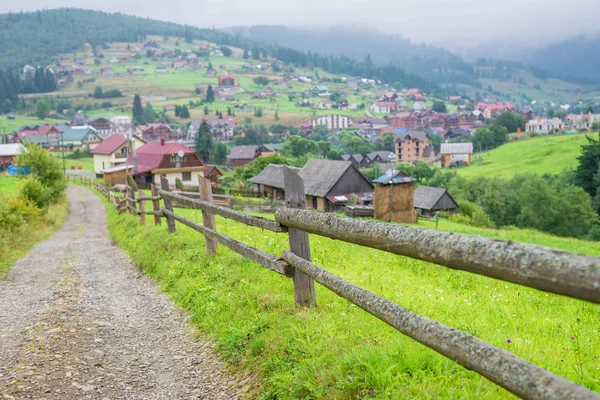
(537, 155)
(337, 351)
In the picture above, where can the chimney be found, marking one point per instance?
(162, 142)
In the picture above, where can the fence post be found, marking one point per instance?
(304, 286)
(205, 189)
(164, 185)
(155, 204)
(142, 209)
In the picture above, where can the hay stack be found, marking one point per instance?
(395, 203)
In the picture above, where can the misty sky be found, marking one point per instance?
(453, 23)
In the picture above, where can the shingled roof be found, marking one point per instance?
(271, 176)
(426, 197)
(321, 175)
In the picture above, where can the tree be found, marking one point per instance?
(386, 142)
(510, 121)
(205, 110)
(261, 81)
(297, 146)
(226, 51)
(245, 56)
(46, 169)
(439, 106)
(229, 111)
(210, 94)
(276, 115)
(203, 143)
(258, 112)
(185, 112)
(98, 92)
(435, 140)
(137, 110)
(7, 105)
(42, 109)
(587, 174)
(255, 53)
(179, 184)
(220, 153)
(148, 115)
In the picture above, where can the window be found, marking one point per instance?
(186, 176)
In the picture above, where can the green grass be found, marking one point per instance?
(538, 155)
(15, 245)
(9, 125)
(337, 351)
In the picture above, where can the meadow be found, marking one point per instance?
(10, 125)
(14, 245)
(337, 351)
(547, 154)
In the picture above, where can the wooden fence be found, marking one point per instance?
(568, 274)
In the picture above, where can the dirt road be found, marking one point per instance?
(78, 321)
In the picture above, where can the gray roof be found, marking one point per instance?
(11, 149)
(271, 176)
(243, 153)
(387, 156)
(321, 175)
(426, 197)
(456, 148)
(395, 177)
(428, 151)
(348, 157)
(410, 135)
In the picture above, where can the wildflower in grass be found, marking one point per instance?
(509, 340)
(572, 336)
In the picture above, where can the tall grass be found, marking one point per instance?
(337, 351)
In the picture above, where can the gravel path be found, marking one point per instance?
(78, 321)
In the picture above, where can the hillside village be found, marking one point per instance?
(312, 225)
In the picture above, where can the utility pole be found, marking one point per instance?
(62, 145)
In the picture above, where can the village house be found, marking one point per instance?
(220, 129)
(492, 110)
(328, 184)
(583, 121)
(454, 133)
(113, 151)
(211, 73)
(8, 152)
(102, 126)
(357, 160)
(173, 160)
(455, 99)
(419, 106)
(386, 107)
(412, 147)
(106, 70)
(213, 174)
(120, 120)
(456, 154)
(403, 121)
(227, 81)
(161, 68)
(156, 132)
(325, 104)
(52, 133)
(269, 182)
(37, 139)
(81, 137)
(430, 200)
(242, 155)
(544, 125)
(381, 157)
(332, 121)
(321, 91)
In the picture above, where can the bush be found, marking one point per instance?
(33, 190)
(48, 171)
(179, 184)
(14, 211)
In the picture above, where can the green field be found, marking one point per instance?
(337, 351)
(538, 155)
(9, 125)
(9, 185)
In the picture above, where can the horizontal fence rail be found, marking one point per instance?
(267, 260)
(572, 275)
(500, 366)
(569, 274)
(247, 219)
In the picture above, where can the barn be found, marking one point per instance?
(429, 200)
(270, 181)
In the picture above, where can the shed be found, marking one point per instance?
(394, 198)
(429, 200)
(270, 181)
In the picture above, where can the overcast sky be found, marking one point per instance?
(448, 22)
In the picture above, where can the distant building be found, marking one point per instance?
(113, 151)
(242, 155)
(455, 154)
(429, 200)
(413, 146)
(544, 125)
(227, 81)
(332, 121)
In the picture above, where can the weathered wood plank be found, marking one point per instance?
(155, 204)
(500, 366)
(304, 287)
(208, 218)
(267, 260)
(247, 219)
(164, 184)
(147, 198)
(569, 274)
(141, 212)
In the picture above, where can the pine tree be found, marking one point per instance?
(245, 56)
(137, 110)
(185, 112)
(203, 142)
(210, 94)
(276, 115)
(229, 111)
(205, 110)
